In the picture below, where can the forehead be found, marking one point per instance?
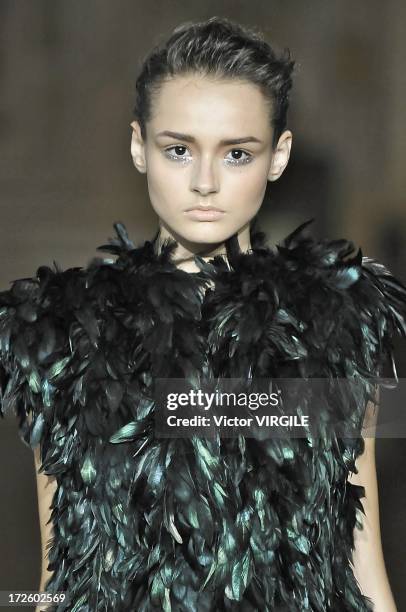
(195, 101)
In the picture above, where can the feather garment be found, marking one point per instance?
(197, 524)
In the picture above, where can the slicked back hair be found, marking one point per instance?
(217, 48)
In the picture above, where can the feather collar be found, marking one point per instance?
(307, 298)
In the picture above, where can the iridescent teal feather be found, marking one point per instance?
(199, 525)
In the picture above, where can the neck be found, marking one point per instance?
(183, 256)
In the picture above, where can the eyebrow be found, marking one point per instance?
(227, 141)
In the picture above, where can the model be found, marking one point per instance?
(143, 522)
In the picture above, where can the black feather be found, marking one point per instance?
(147, 523)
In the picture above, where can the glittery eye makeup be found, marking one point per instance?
(177, 157)
(180, 150)
(240, 161)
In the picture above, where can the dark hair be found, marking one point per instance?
(221, 48)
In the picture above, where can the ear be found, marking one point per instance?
(137, 148)
(280, 156)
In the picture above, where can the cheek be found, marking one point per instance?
(162, 183)
(247, 185)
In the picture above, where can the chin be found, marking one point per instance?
(207, 232)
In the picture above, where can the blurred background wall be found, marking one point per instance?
(67, 74)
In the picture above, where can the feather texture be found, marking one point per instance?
(197, 524)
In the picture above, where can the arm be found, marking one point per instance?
(46, 486)
(368, 560)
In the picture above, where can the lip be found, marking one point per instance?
(205, 214)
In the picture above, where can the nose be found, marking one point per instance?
(204, 179)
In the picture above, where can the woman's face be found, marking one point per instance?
(208, 145)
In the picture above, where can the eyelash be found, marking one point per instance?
(229, 162)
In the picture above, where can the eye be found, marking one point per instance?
(239, 159)
(177, 153)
